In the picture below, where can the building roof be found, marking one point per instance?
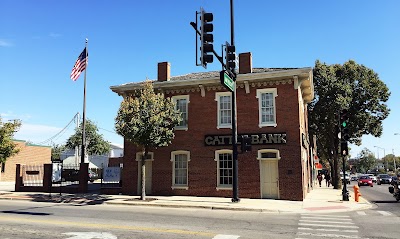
(302, 76)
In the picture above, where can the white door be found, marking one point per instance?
(148, 165)
(269, 179)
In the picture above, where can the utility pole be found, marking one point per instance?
(227, 77)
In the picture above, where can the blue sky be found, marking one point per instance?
(41, 40)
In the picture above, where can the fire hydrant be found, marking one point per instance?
(357, 193)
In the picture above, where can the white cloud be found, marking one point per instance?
(41, 134)
(5, 43)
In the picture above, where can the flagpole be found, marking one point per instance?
(84, 108)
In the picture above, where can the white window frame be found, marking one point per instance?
(217, 153)
(175, 99)
(275, 151)
(259, 97)
(139, 156)
(173, 154)
(218, 96)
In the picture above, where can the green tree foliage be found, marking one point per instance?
(391, 161)
(7, 146)
(366, 161)
(56, 151)
(349, 86)
(147, 119)
(95, 144)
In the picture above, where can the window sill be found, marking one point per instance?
(182, 128)
(224, 127)
(267, 125)
(180, 187)
(224, 188)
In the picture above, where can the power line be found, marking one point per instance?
(59, 134)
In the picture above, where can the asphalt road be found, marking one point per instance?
(24, 219)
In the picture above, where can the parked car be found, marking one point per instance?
(92, 176)
(384, 178)
(353, 178)
(365, 180)
(373, 177)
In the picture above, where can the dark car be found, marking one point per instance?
(365, 180)
(92, 176)
(384, 178)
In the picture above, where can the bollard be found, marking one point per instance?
(357, 193)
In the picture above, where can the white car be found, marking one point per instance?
(373, 177)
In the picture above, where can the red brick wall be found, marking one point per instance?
(28, 154)
(202, 166)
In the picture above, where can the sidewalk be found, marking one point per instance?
(319, 200)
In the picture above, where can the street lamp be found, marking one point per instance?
(384, 154)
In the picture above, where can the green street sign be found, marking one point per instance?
(227, 81)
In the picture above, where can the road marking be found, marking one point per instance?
(221, 236)
(327, 218)
(324, 221)
(325, 215)
(326, 230)
(102, 226)
(90, 235)
(327, 235)
(384, 213)
(361, 213)
(318, 225)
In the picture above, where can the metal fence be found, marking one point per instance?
(65, 174)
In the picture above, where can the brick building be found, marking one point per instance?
(29, 154)
(271, 108)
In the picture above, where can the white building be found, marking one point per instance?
(95, 161)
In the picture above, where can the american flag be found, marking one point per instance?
(80, 65)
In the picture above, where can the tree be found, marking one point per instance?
(349, 86)
(95, 144)
(56, 151)
(366, 161)
(7, 147)
(147, 120)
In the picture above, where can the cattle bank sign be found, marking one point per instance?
(260, 139)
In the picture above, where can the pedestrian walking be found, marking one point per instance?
(319, 177)
(328, 179)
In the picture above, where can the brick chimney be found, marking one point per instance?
(164, 71)
(245, 63)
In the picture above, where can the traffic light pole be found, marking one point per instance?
(232, 73)
(345, 193)
(235, 195)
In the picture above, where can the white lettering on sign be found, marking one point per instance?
(90, 235)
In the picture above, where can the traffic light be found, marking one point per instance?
(344, 149)
(246, 143)
(344, 125)
(230, 57)
(207, 38)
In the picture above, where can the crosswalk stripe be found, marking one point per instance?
(361, 213)
(327, 230)
(324, 221)
(325, 215)
(221, 236)
(327, 235)
(384, 213)
(338, 226)
(327, 218)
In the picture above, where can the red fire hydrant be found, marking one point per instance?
(357, 193)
